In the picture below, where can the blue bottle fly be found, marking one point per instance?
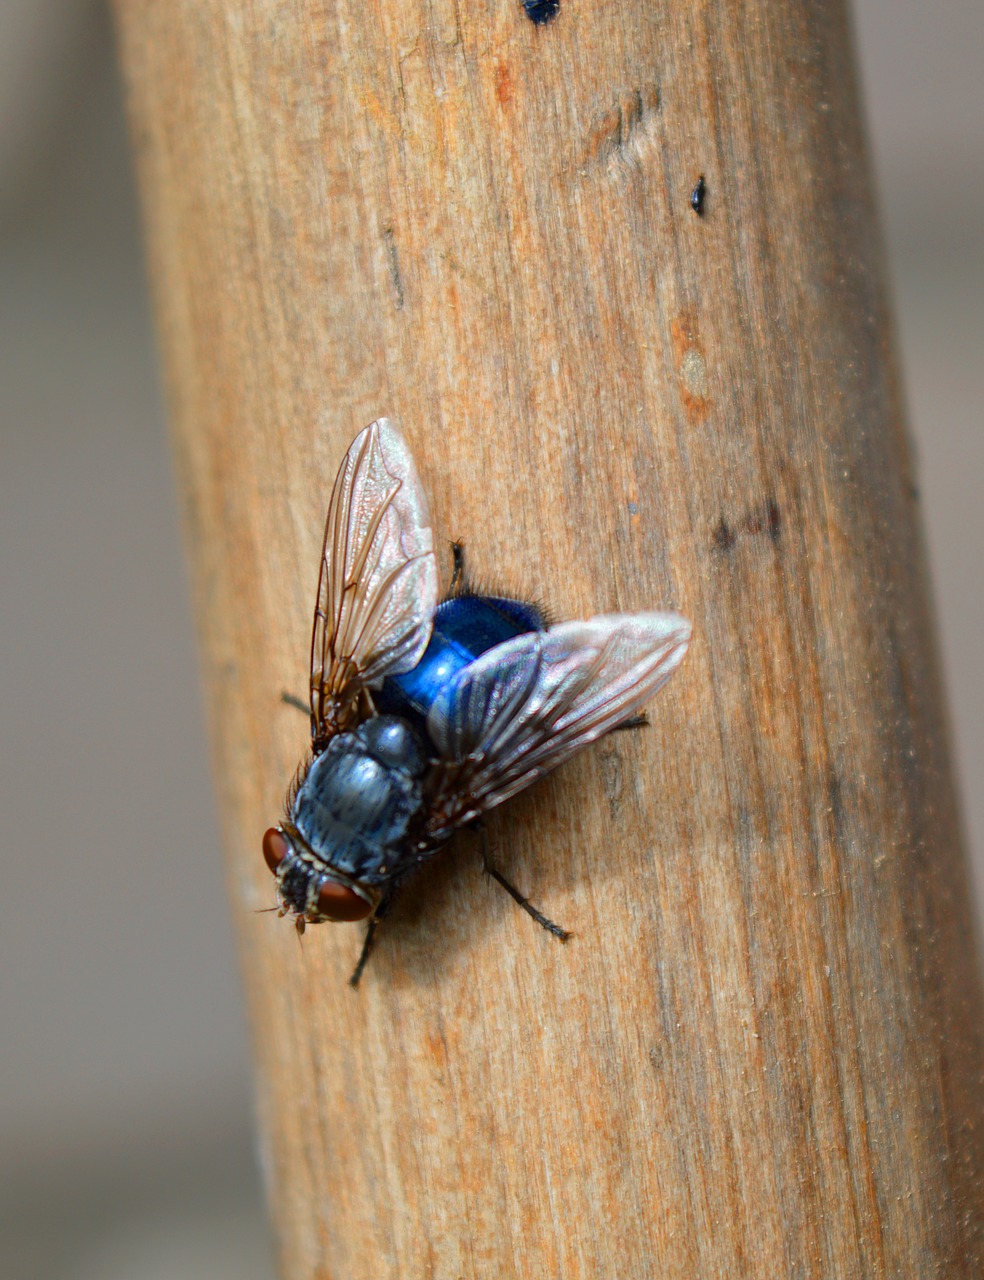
(425, 715)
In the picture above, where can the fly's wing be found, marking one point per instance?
(377, 590)
(527, 705)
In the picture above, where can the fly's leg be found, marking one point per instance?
(538, 916)
(292, 700)
(633, 722)
(458, 566)
(369, 941)
(364, 954)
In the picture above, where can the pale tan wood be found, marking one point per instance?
(761, 1054)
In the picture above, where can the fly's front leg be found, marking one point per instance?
(543, 921)
(369, 941)
(367, 945)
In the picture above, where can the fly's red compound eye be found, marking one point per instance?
(275, 848)
(339, 903)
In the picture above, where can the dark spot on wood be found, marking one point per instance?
(697, 197)
(766, 519)
(540, 11)
(394, 265)
(656, 1058)
(724, 537)
(836, 806)
(503, 84)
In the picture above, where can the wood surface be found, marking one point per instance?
(761, 1053)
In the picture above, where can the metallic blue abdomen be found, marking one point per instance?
(464, 627)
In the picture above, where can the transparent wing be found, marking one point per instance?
(527, 705)
(377, 590)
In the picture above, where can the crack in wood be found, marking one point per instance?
(619, 138)
(389, 236)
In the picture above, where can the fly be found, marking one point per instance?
(427, 713)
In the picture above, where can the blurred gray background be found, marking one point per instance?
(125, 1121)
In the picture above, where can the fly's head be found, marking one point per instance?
(306, 890)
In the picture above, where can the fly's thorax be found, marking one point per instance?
(354, 808)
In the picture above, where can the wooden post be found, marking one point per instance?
(761, 1054)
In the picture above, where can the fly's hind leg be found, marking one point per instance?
(543, 921)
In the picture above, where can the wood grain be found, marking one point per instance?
(761, 1054)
